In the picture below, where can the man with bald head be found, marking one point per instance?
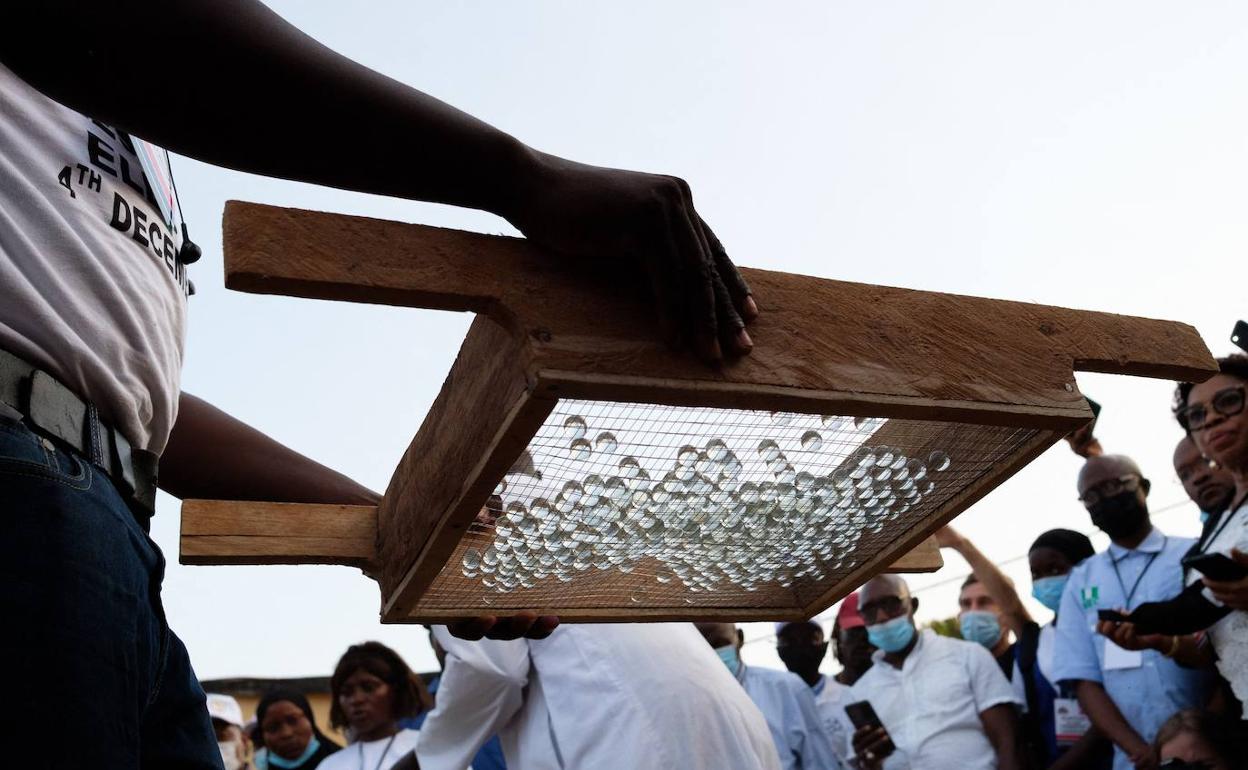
(1128, 685)
(786, 702)
(1208, 485)
(943, 703)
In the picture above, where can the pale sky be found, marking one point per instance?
(1088, 155)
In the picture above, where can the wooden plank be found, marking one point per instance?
(461, 451)
(632, 615)
(925, 557)
(814, 334)
(243, 532)
(735, 395)
(969, 495)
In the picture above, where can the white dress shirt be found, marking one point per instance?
(595, 696)
(789, 707)
(931, 705)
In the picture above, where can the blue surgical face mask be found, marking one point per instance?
(730, 658)
(313, 746)
(981, 627)
(891, 635)
(1048, 591)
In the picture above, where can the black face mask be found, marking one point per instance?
(1119, 516)
(803, 659)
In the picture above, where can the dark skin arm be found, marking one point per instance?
(1001, 726)
(1106, 718)
(1187, 650)
(251, 92)
(197, 464)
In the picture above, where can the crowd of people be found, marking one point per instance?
(1140, 665)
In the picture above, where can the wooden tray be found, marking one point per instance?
(952, 393)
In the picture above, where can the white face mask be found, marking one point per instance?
(229, 755)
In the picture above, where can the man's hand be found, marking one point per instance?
(948, 537)
(1125, 636)
(1232, 593)
(1142, 756)
(523, 624)
(650, 220)
(1083, 443)
(871, 747)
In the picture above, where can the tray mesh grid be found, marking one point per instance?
(628, 505)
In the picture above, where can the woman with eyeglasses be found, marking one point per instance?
(1213, 414)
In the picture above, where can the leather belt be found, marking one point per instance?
(57, 412)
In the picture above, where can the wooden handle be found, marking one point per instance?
(241, 532)
(582, 313)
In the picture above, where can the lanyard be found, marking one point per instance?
(1222, 522)
(1128, 594)
(384, 752)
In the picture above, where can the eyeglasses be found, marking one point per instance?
(1226, 402)
(884, 608)
(1110, 488)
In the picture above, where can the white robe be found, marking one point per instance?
(651, 696)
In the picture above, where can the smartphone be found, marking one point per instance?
(1113, 616)
(1215, 565)
(862, 715)
(1239, 335)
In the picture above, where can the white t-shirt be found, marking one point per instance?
(931, 706)
(372, 755)
(90, 286)
(830, 700)
(1230, 634)
(644, 696)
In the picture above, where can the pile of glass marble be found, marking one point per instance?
(699, 497)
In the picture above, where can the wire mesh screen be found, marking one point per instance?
(629, 505)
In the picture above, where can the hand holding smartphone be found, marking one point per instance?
(863, 716)
(1215, 565)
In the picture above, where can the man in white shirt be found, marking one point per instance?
(619, 696)
(943, 703)
(784, 699)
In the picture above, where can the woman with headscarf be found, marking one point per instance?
(372, 689)
(292, 741)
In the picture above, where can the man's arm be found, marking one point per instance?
(212, 455)
(998, 586)
(1106, 718)
(231, 83)
(1001, 725)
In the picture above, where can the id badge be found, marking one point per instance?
(1116, 657)
(1069, 721)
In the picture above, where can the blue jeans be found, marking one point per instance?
(93, 677)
